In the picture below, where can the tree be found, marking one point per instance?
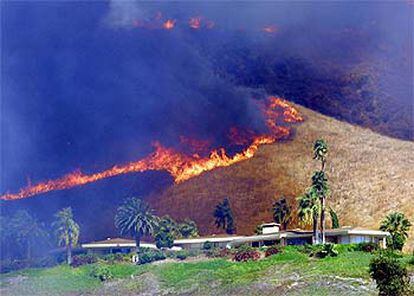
(320, 181)
(188, 228)
(164, 239)
(165, 232)
(67, 231)
(389, 274)
(398, 226)
(282, 213)
(134, 217)
(224, 217)
(25, 229)
(334, 218)
(308, 212)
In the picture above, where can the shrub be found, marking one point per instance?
(150, 255)
(246, 253)
(83, 259)
(207, 245)
(367, 247)
(218, 253)
(101, 272)
(114, 258)
(271, 251)
(164, 239)
(389, 274)
(181, 255)
(326, 250)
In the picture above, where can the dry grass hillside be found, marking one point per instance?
(370, 175)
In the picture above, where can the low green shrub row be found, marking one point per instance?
(147, 255)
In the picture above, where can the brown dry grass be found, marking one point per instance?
(370, 175)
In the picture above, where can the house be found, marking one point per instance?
(197, 243)
(271, 235)
(116, 245)
(344, 235)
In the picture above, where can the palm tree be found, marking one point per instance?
(398, 226)
(320, 189)
(134, 217)
(224, 216)
(308, 212)
(26, 229)
(67, 231)
(320, 151)
(320, 181)
(282, 212)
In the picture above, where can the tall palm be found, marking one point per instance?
(67, 231)
(26, 229)
(320, 181)
(320, 151)
(320, 189)
(282, 212)
(398, 226)
(134, 217)
(308, 212)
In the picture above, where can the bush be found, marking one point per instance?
(246, 253)
(83, 259)
(182, 255)
(101, 272)
(114, 258)
(272, 251)
(326, 250)
(389, 274)
(150, 255)
(207, 245)
(218, 253)
(320, 251)
(164, 239)
(367, 247)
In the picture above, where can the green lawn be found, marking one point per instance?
(198, 278)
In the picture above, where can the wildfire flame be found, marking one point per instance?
(271, 29)
(168, 24)
(195, 22)
(179, 165)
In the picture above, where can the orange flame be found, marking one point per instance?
(179, 165)
(195, 22)
(168, 24)
(270, 29)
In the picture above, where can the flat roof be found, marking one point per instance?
(212, 239)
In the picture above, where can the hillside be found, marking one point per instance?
(369, 174)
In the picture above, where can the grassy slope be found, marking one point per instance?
(369, 174)
(292, 273)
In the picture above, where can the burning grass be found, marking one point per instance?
(179, 165)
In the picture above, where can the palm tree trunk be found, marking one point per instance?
(137, 242)
(322, 226)
(69, 253)
(315, 228)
